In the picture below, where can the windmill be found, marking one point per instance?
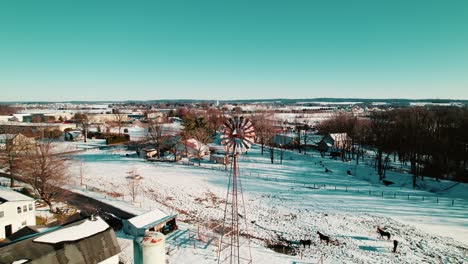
(237, 137)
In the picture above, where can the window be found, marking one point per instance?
(2, 214)
(30, 207)
(19, 209)
(25, 208)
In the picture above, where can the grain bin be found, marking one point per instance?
(153, 248)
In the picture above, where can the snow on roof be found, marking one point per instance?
(148, 218)
(21, 261)
(339, 136)
(4, 137)
(85, 229)
(9, 195)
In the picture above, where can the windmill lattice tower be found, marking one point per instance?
(237, 137)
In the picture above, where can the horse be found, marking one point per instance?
(323, 237)
(305, 243)
(383, 233)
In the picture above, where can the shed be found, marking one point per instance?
(155, 220)
(147, 153)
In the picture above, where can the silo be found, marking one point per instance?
(154, 248)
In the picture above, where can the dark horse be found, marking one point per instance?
(383, 233)
(306, 242)
(323, 237)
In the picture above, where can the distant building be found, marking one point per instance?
(18, 141)
(335, 143)
(147, 153)
(16, 211)
(86, 241)
(74, 135)
(30, 128)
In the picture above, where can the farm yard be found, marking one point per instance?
(290, 202)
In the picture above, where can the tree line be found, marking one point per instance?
(432, 140)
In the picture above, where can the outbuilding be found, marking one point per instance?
(16, 211)
(155, 220)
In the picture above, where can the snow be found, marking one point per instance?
(111, 260)
(10, 195)
(294, 200)
(21, 261)
(147, 218)
(85, 229)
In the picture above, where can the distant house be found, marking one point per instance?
(284, 140)
(19, 141)
(194, 148)
(147, 153)
(16, 211)
(219, 158)
(174, 119)
(155, 220)
(86, 241)
(74, 135)
(335, 143)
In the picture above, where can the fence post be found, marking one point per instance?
(382, 194)
(408, 196)
(437, 199)
(453, 201)
(394, 195)
(423, 198)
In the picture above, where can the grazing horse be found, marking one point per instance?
(383, 233)
(305, 242)
(395, 245)
(323, 237)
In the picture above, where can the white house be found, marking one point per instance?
(16, 211)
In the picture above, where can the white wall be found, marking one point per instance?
(111, 260)
(15, 219)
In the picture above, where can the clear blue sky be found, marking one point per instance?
(116, 50)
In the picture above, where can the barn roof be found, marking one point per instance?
(90, 241)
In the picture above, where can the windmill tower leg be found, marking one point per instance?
(233, 248)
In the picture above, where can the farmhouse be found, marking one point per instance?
(85, 241)
(155, 220)
(16, 211)
(335, 142)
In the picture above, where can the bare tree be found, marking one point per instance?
(263, 129)
(45, 170)
(83, 120)
(119, 118)
(133, 180)
(155, 135)
(203, 136)
(13, 153)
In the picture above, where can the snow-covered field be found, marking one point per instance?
(293, 201)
